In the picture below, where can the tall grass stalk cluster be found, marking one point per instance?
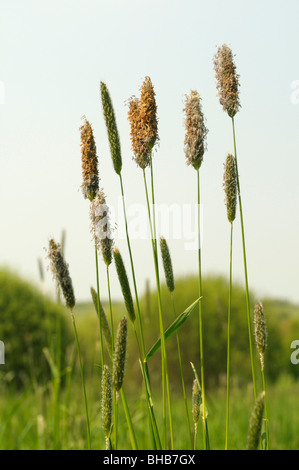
(144, 136)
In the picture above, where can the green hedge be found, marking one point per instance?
(27, 326)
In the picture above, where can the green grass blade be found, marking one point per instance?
(178, 322)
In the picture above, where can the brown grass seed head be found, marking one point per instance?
(227, 80)
(89, 160)
(142, 116)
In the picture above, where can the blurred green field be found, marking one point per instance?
(27, 384)
(27, 418)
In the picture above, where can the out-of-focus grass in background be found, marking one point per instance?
(27, 328)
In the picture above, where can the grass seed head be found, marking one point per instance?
(104, 322)
(230, 187)
(112, 131)
(142, 116)
(260, 331)
(227, 80)
(124, 284)
(120, 352)
(196, 131)
(89, 159)
(196, 401)
(60, 271)
(255, 425)
(101, 227)
(106, 401)
(167, 264)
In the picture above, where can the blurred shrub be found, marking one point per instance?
(27, 325)
(282, 324)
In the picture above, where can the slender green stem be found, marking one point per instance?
(110, 308)
(266, 410)
(115, 401)
(57, 377)
(68, 382)
(99, 308)
(129, 420)
(133, 270)
(154, 428)
(153, 202)
(245, 267)
(195, 437)
(182, 374)
(161, 329)
(200, 319)
(115, 395)
(83, 381)
(228, 337)
(122, 392)
(165, 376)
(143, 355)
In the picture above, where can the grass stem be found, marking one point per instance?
(245, 267)
(267, 447)
(228, 339)
(201, 321)
(99, 308)
(181, 372)
(82, 380)
(142, 352)
(165, 377)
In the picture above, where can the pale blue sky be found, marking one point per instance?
(53, 55)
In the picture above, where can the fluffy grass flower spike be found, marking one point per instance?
(106, 403)
(119, 360)
(167, 264)
(196, 402)
(90, 184)
(105, 325)
(101, 227)
(260, 330)
(196, 131)
(230, 187)
(119, 363)
(227, 80)
(255, 425)
(60, 271)
(124, 284)
(111, 126)
(142, 116)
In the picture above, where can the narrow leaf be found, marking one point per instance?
(178, 322)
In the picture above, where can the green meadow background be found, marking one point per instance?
(27, 380)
